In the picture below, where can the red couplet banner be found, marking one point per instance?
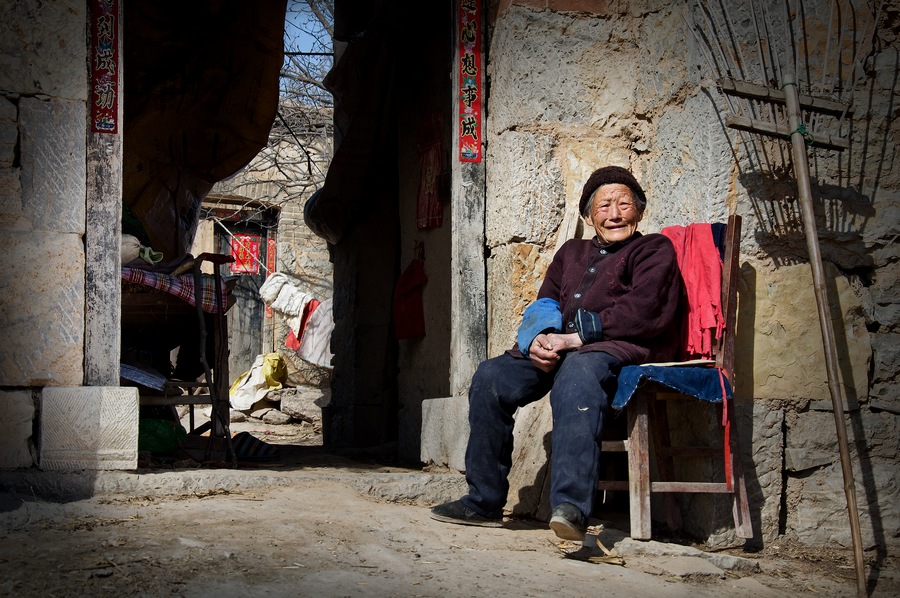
(271, 245)
(105, 66)
(469, 43)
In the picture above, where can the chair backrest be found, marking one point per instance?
(708, 256)
(730, 276)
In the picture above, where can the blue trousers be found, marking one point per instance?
(579, 388)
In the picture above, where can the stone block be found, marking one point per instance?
(874, 435)
(879, 433)
(53, 163)
(89, 427)
(41, 309)
(9, 132)
(445, 431)
(818, 512)
(818, 506)
(303, 402)
(550, 67)
(529, 476)
(783, 357)
(691, 169)
(529, 197)
(709, 516)
(663, 60)
(515, 273)
(16, 425)
(43, 48)
(886, 356)
(763, 456)
(12, 216)
(578, 158)
(798, 459)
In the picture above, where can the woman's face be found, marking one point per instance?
(614, 213)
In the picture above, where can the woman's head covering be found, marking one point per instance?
(606, 176)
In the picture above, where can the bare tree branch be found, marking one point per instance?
(293, 164)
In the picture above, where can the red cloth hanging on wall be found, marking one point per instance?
(409, 312)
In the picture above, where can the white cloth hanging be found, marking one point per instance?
(315, 344)
(284, 294)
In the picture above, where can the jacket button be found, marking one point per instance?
(577, 295)
(592, 269)
(571, 324)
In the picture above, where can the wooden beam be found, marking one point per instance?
(690, 487)
(760, 92)
(776, 130)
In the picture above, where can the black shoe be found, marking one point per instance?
(457, 512)
(568, 522)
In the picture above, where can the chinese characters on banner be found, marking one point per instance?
(104, 66)
(469, 80)
(245, 251)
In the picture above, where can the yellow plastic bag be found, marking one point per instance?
(268, 372)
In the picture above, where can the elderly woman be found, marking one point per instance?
(605, 302)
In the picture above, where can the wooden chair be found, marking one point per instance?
(647, 418)
(156, 320)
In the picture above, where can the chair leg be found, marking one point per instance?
(639, 467)
(664, 464)
(743, 526)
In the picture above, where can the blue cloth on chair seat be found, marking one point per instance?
(702, 382)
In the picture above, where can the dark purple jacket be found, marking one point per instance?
(635, 288)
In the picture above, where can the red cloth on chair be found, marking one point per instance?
(701, 269)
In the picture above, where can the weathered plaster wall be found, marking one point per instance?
(43, 92)
(577, 85)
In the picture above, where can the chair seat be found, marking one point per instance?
(699, 381)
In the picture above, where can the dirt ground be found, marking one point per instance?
(321, 536)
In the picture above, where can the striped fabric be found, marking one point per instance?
(181, 286)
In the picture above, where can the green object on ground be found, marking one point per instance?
(160, 435)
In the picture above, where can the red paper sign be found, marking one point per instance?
(245, 251)
(104, 66)
(429, 211)
(270, 264)
(469, 80)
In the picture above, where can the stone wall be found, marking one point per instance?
(43, 94)
(578, 85)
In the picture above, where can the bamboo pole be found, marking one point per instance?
(801, 173)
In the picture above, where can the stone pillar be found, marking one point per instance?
(468, 334)
(103, 234)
